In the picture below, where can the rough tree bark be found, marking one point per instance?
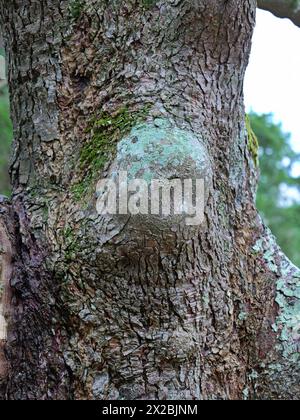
(109, 307)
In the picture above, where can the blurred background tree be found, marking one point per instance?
(5, 141)
(278, 197)
(5, 135)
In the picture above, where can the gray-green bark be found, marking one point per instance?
(130, 307)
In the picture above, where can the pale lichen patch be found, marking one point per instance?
(159, 149)
(287, 324)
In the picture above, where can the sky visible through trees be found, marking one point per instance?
(272, 78)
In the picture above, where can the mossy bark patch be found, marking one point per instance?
(76, 8)
(106, 130)
(253, 144)
(149, 3)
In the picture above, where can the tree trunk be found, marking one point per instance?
(138, 307)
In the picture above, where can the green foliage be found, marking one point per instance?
(277, 159)
(106, 131)
(5, 141)
(295, 4)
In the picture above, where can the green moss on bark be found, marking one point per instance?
(76, 7)
(106, 131)
(149, 3)
(253, 144)
(71, 242)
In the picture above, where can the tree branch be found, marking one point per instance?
(282, 8)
